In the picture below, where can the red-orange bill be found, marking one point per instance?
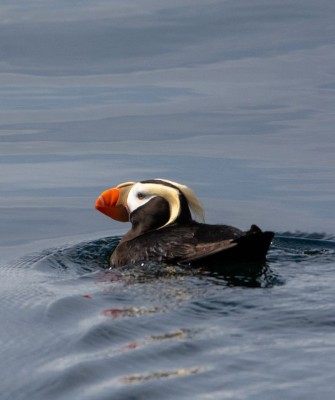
(113, 202)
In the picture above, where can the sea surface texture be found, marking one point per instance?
(234, 98)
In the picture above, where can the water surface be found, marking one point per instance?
(233, 98)
(76, 329)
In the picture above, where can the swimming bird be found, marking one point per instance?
(164, 230)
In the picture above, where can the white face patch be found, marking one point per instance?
(138, 196)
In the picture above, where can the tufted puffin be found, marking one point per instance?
(164, 230)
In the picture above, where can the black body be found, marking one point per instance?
(186, 241)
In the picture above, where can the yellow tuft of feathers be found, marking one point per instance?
(192, 200)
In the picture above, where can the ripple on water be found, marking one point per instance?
(163, 331)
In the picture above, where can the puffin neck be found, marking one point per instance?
(152, 215)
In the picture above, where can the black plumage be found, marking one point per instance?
(185, 241)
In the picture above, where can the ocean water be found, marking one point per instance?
(233, 98)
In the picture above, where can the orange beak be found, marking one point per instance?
(113, 202)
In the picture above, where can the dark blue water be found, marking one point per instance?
(75, 329)
(233, 98)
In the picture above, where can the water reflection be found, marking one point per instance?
(125, 327)
(159, 375)
(91, 258)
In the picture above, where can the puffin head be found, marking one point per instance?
(154, 203)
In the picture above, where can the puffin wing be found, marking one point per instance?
(189, 253)
(183, 245)
(177, 245)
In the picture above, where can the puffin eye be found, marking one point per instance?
(140, 196)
